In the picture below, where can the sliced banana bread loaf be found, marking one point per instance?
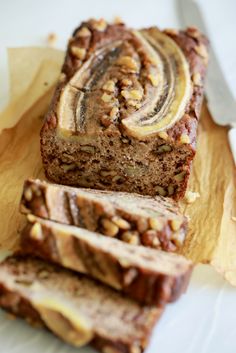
(75, 308)
(125, 112)
(150, 276)
(136, 219)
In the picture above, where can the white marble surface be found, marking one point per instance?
(203, 320)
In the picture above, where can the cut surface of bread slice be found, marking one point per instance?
(151, 221)
(150, 276)
(75, 308)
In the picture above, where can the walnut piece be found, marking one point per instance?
(36, 232)
(131, 237)
(106, 98)
(83, 33)
(99, 25)
(121, 223)
(28, 194)
(197, 80)
(129, 63)
(184, 138)
(132, 94)
(110, 228)
(109, 86)
(155, 224)
(175, 224)
(79, 53)
(160, 190)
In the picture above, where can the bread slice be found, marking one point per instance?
(155, 222)
(150, 276)
(125, 112)
(75, 308)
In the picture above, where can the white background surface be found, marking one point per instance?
(203, 320)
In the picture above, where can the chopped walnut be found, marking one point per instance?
(36, 232)
(197, 80)
(109, 86)
(155, 224)
(132, 94)
(110, 228)
(114, 112)
(202, 51)
(133, 103)
(131, 237)
(180, 176)
(99, 25)
(126, 82)
(160, 190)
(193, 32)
(129, 63)
(171, 31)
(79, 53)
(184, 138)
(83, 33)
(121, 223)
(175, 224)
(106, 98)
(28, 194)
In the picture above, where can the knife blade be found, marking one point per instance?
(221, 102)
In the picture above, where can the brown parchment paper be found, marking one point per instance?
(33, 73)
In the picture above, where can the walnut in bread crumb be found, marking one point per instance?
(83, 33)
(128, 62)
(197, 80)
(79, 53)
(184, 138)
(99, 25)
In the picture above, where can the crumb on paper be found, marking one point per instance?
(191, 196)
(51, 39)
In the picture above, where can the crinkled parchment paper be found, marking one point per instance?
(33, 73)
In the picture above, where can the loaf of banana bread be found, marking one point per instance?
(147, 275)
(75, 308)
(136, 219)
(125, 111)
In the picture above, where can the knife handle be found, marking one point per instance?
(232, 141)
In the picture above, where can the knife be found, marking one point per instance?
(221, 102)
